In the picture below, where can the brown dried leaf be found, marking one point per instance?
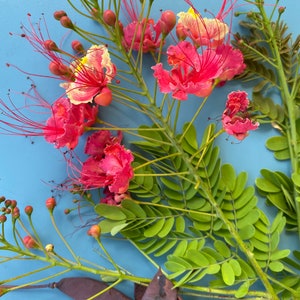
(160, 288)
(80, 288)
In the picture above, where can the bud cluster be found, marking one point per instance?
(9, 208)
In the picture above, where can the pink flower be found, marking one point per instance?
(97, 142)
(195, 73)
(236, 118)
(109, 164)
(142, 34)
(117, 166)
(232, 62)
(113, 198)
(202, 31)
(191, 72)
(63, 128)
(145, 34)
(91, 73)
(237, 101)
(86, 77)
(67, 122)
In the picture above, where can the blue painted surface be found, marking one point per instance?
(29, 166)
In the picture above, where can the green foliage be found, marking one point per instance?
(259, 55)
(185, 225)
(278, 190)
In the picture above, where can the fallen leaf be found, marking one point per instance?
(160, 288)
(81, 288)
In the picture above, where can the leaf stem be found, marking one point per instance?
(288, 102)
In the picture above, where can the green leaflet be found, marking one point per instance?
(243, 290)
(228, 275)
(110, 212)
(278, 189)
(222, 248)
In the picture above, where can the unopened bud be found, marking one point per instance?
(66, 22)
(180, 32)
(59, 14)
(67, 211)
(50, 203)
(77, 46)
(50, 45)
(104, 98)
(3, 218)
(58, 68)
(167, 21)
(2, 199)
(7, 203)
(281, 9)
(49, 247)
(109, 17)
(15, 213)
(29, 242)
(94, 231)
(28, 210)
(13, 203)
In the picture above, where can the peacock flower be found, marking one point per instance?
(108, 164)
(145, 34)
(92, 74)
(208, 60)
(196, 73)
(202, 31)
(66, 122)
(236, 118)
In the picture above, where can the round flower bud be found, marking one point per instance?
(7, 203)
(2, 218)
(167, 21)
(77, 46)
(59, 69)
(94, 231)
(2, 199)
(59, 14)
(109, 17)
(49, 247)
(28, 210)
(29, 242)
(281, 9)
(15, 213)
(50, 45)
(104, 98)
(50, 203)
(13, 203)
(180, 32)
(66, 22)
(67, 211)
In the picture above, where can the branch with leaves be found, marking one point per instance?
(167, 192)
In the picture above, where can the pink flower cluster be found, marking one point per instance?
(91, 74)
(68, 122)
(86, 77)
(64, 126)
(199, 65)
(108, 166)
(236, 118)
(146, 34)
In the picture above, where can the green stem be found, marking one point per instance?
(62, 238)
(289, 104)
